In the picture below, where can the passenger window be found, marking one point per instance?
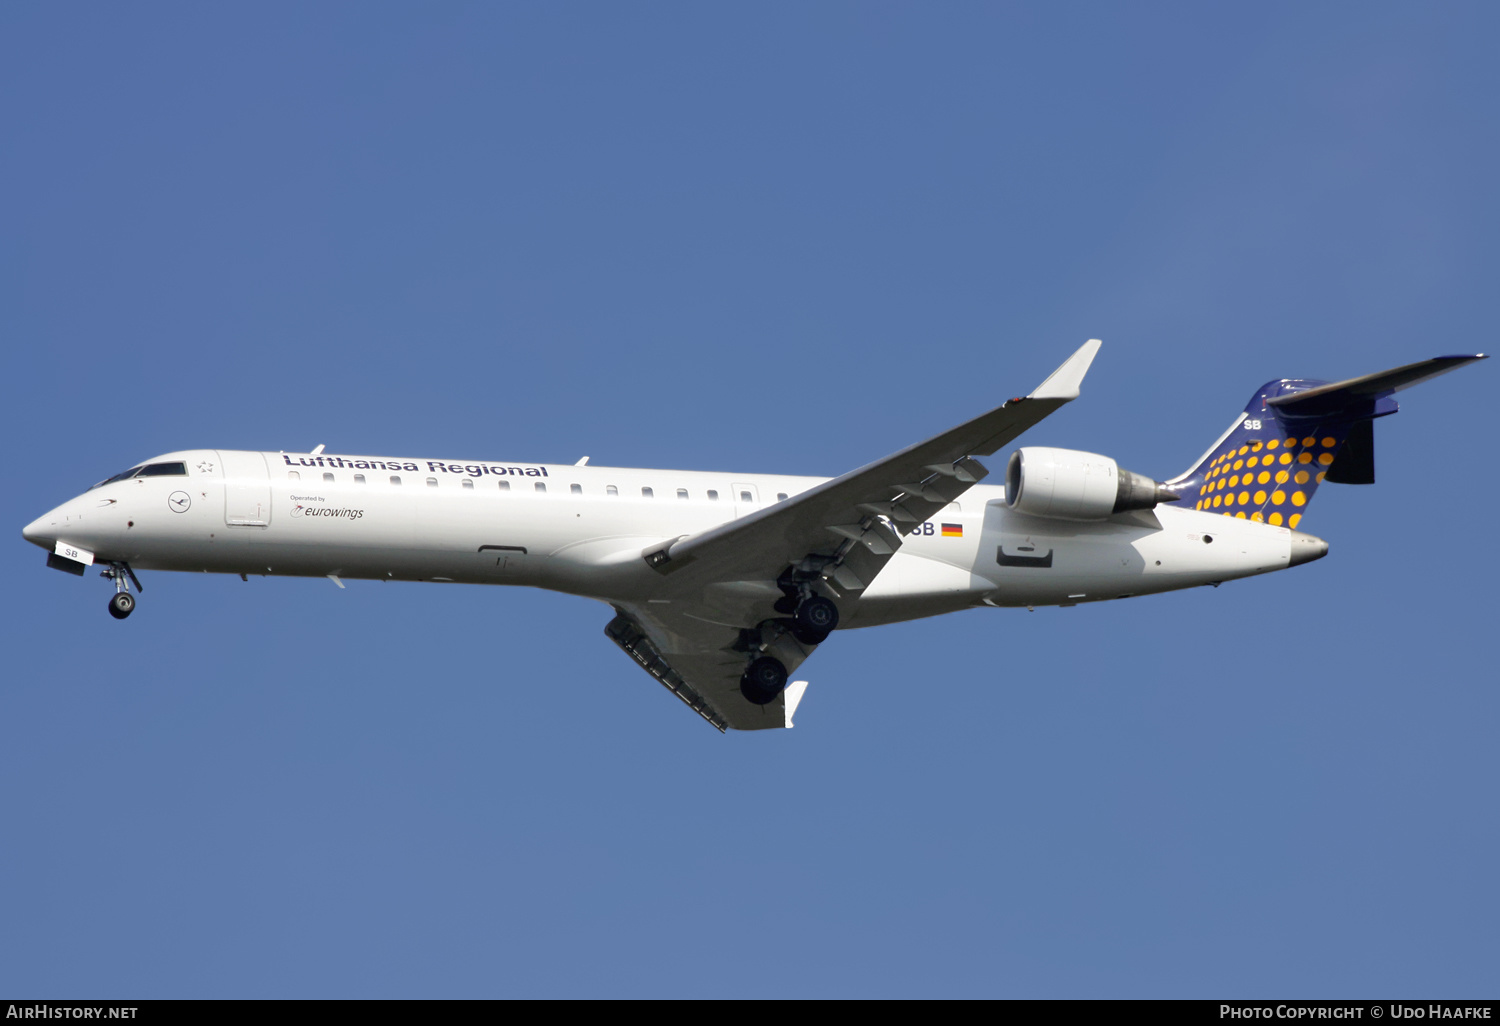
(292, 475)
(746, 497)
(647, 493)
(432, 482)
(395, 480)
(781, 496)
(541, 486)
(611, 490)
(359, 479)
(505, 486)
(713, 496)
(328, 478)
(469, 483)
(682, 493)
(576, 489)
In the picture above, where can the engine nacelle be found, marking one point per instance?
(1071, 485)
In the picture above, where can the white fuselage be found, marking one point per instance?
(584, 530)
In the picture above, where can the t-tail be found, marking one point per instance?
(1294, 435)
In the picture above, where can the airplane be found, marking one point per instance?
(722, 584)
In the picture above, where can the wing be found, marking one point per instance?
(723, 588)
(846, 529)
(700, 663)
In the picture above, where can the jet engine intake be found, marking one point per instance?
(1071, 485)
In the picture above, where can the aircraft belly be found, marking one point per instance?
(875, 611)
(911, 587)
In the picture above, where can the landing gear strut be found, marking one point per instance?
(122, 603)
(764, 679)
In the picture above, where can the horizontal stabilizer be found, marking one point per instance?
(1327, 399)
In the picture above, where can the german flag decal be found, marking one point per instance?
(953, 530)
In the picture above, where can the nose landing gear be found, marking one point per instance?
(122, 603)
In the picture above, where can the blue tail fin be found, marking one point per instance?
(1294, 434)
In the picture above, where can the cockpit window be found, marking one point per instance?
(122, 475)
(148, 470)
(163, 470)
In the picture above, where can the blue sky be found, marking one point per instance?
(774, 237)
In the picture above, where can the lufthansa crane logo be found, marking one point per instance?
(178, 502)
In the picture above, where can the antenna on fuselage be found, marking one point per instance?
(317, 452)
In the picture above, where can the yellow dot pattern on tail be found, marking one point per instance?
(1264, 469)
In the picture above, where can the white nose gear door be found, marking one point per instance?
(247, 489)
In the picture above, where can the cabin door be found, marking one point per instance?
(247, 489)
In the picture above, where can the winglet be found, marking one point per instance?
(793, 698)
(1064, 382)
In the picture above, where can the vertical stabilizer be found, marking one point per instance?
(1294, 434)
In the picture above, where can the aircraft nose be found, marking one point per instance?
(1306, 548)
(39, 532)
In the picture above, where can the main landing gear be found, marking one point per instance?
(816, 618)
(812, 618)
(122, 603)
(764, 679)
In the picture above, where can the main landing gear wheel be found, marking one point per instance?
(121, 605)
(816, 619)
(764, 679)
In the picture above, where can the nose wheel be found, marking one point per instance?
(121, 603)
